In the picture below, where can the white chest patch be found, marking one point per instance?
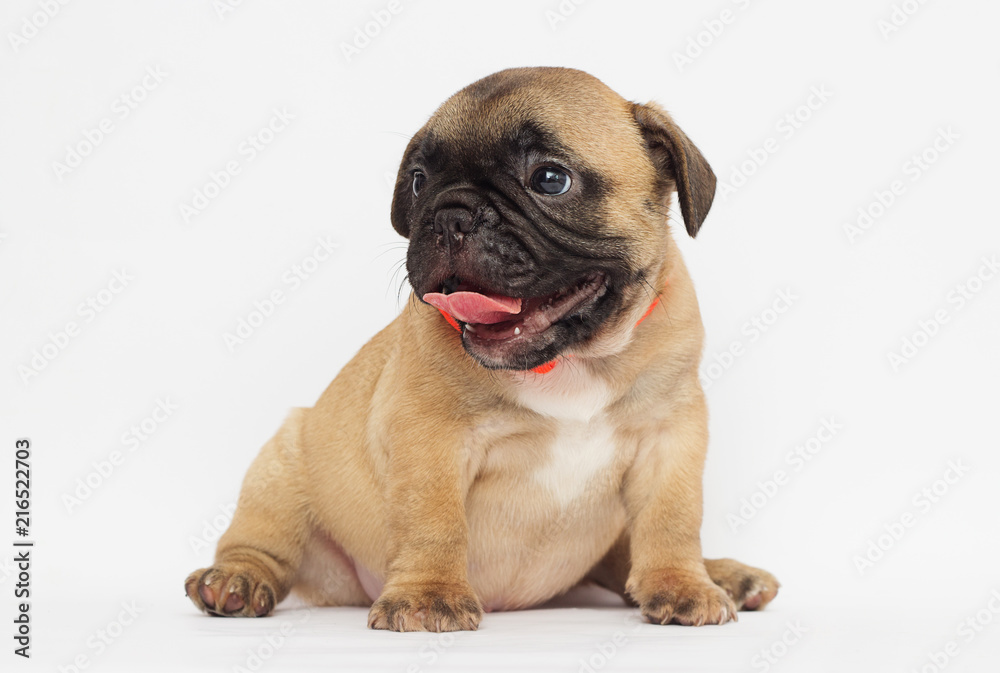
(584, 444)
(580, 452)
(568, 392)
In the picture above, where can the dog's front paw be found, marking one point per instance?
(426, 607)
(231, 590)
(680, 597)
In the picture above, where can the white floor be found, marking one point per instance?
(584, 631)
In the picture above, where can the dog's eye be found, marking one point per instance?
(550, 181)
(418, 181)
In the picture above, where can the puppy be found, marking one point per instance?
(534, 418)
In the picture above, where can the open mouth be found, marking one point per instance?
(496, 317)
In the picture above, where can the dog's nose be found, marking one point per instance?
(452, 224)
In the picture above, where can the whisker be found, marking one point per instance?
(659, 295)
(394, 247)
(396, 268)
(411, 301)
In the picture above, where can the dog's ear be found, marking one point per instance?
(677, 160)
(402, 196)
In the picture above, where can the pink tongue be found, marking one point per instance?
(473, 307)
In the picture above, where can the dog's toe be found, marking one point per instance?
(231, 591)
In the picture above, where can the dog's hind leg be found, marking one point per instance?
(750, 588)
(258, 558)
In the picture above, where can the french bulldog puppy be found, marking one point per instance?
(533, 419)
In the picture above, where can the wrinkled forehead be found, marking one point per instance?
(564, 119)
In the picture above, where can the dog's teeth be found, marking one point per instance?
(470, 328)
(517, 330)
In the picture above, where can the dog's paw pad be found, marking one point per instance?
(230, 591)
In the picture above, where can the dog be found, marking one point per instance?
(534, 418)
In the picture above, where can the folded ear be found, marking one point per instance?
(679, 161)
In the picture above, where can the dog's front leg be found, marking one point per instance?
(663, 497)
(427, 587)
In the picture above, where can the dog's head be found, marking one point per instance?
(535, 201)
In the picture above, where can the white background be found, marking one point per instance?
(63, 237)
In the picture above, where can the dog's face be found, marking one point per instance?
(535, 201)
